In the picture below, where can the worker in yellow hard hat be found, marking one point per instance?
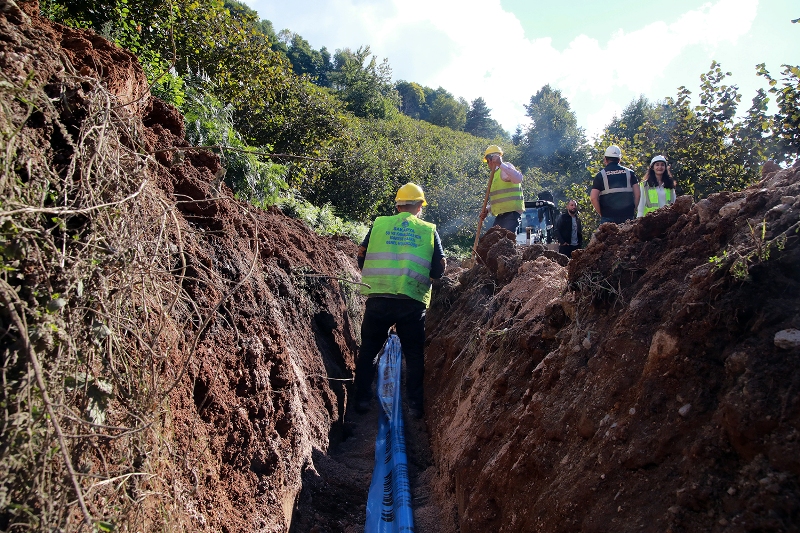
(398, 258)
(505, 194)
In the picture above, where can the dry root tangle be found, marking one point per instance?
(96, 327)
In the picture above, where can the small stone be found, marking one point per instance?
(736, 363)
(703, 208)
(684, 411)
(731, 491)
(788, 200)
(56, 304)
(632, 411)
(788, 339)
(731, 208)
(576, 348)
(662, 347)
(722, 522)
(587, 343)
(780, 208)
(674, 509)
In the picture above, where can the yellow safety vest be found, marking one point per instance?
(651, 198)
(398, 258)
(505, 196)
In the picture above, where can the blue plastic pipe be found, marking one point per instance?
(389, 502)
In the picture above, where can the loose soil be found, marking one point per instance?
(637, 387)
(642, 388)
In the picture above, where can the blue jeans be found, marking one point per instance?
(509, 221)
(615, 220)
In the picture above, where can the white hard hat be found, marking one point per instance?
(658, 158)
(614, 151)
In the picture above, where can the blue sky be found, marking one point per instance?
(601, 55)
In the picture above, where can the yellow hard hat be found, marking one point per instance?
(410, 193)
(492, 149)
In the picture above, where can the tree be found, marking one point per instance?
(752, 134)
(448, 112)
(412, 99)
(635, 114)
(517, 137)
(553, 142)
(306, 60)
(709, 158)
(265, 28)
(707, 148)
(480, 123)
(364, 85)
(786, 122)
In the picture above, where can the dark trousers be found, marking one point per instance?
(409, 318)
(566, 249)
(509, 221)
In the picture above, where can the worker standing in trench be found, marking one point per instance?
(398, 258)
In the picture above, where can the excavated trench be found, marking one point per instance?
(651, 383)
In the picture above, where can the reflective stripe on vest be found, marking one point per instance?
(651, 198)
(505, 196)
(609, 190)
(398, 258)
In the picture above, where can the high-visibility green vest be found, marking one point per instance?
(651, 197)
(505, 196)
(398, 259)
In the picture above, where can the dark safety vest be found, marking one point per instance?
(651, 198)
(505, 196)
(609, 190)
(398, 259)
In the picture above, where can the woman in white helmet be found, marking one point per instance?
(658, 187)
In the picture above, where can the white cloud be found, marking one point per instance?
(596, 121)
(474, 48)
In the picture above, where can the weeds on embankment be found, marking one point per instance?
(95, 325)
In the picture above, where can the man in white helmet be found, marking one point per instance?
(615, 191)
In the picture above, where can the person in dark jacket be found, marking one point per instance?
(568, 230)
(615, 190)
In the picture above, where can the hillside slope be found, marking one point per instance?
(649, 386)
(174, 359)
(184, 341)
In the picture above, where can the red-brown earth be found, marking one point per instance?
(645, 387)
(639, 387)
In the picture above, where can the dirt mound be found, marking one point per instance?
(651, 383)
(247, 338)
(644, 387)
